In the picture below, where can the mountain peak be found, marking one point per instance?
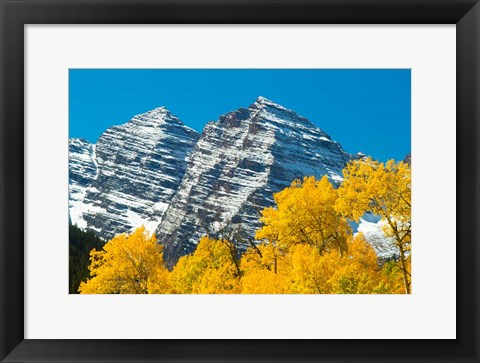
(157, 111)
(154, 170)
(162, 109)
(134, 169)
(263, 101)
(277, 113)
(157, 117)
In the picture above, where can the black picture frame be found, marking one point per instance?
(17, 13)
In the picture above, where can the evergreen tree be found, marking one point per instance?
(80, 245)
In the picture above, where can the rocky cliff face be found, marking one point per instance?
(237, 164)
(82, 173)
(155, 171)
(139, 166)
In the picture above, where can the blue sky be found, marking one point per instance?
(364, 110)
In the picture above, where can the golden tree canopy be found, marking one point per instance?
(305, 214)
(265, 269)
(127, 264)
(385, 190)
(211, 269)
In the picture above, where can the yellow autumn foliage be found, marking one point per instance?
(305, 214)
(306, 245)
(265, 270)
(303, 270)
(211, 269)
(385, 190)
(127, 264)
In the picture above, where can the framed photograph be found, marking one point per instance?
(239, 181)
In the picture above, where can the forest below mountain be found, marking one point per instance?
(80, 244)
(305, 245)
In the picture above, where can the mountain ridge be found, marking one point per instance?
(237, 165)
(139, 166)
(180, 184)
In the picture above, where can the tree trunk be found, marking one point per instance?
(404, 269)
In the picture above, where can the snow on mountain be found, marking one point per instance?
(371, 226)
(82, 173)
(139, 166)
(156, 171)
(236, 166)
